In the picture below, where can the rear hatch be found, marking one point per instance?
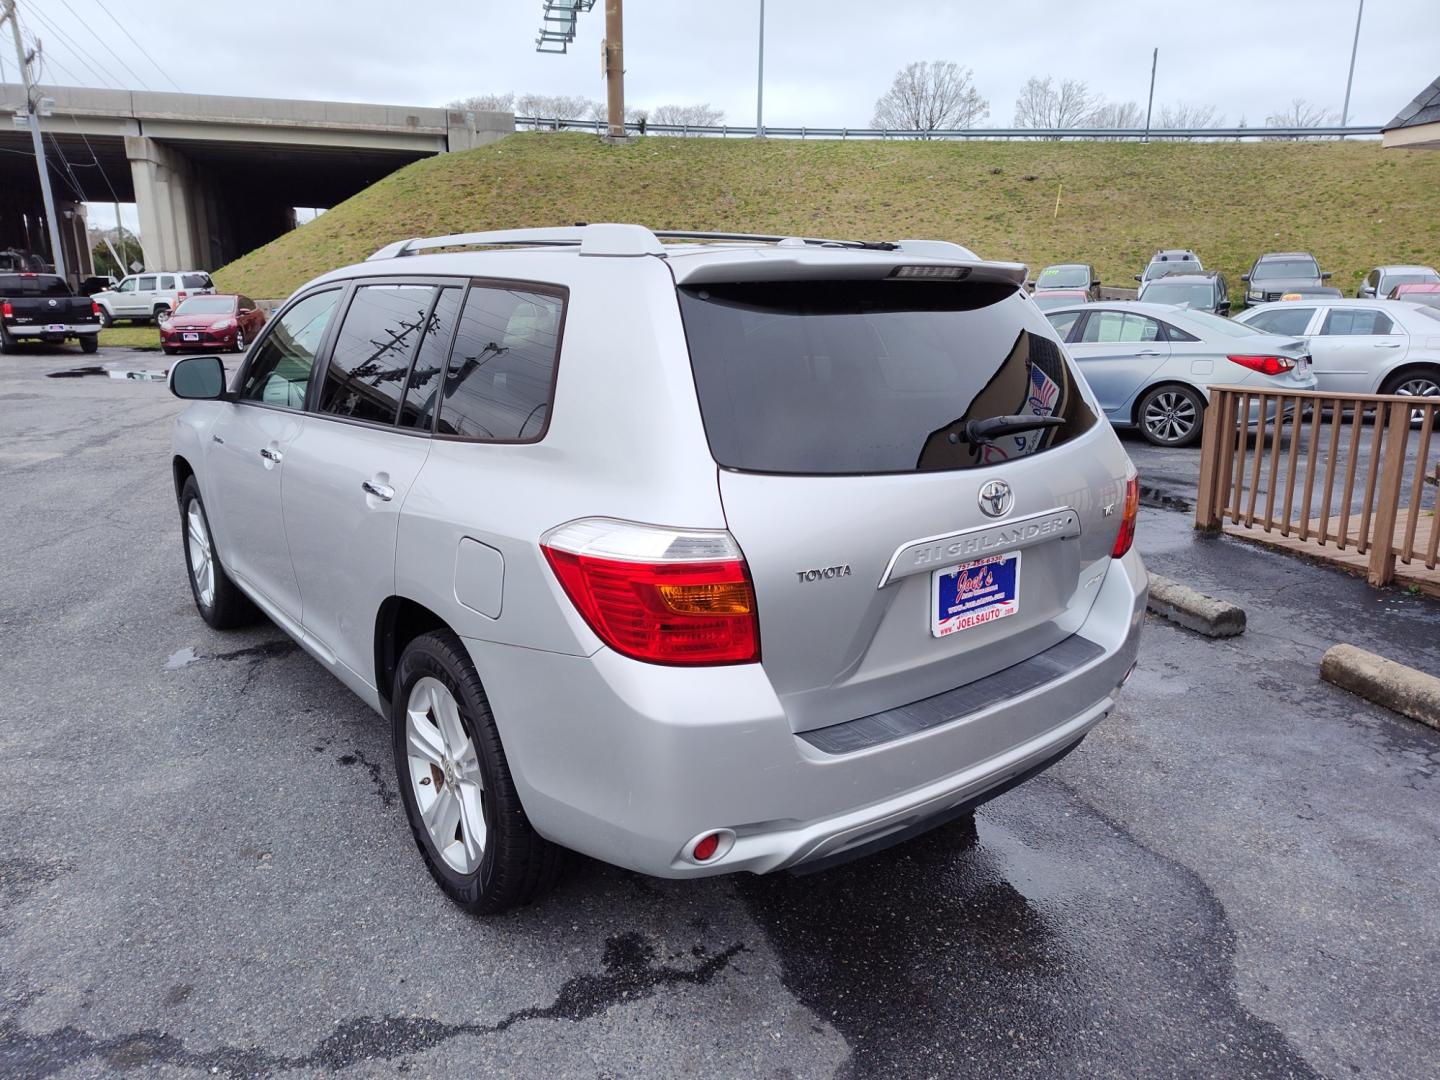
(838, 411)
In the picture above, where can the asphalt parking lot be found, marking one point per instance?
(204, 869)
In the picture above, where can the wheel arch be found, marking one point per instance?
(1411, 367)
(399, 621)
(182, 470)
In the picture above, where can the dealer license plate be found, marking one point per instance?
(973, 593)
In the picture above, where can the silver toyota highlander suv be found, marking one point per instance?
(742, 553)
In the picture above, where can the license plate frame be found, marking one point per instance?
(56, 328)
(190, 337)
(990, 591)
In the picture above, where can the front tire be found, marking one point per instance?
(459, 796)
(218, 599)
(1171, 415)
(240, 341)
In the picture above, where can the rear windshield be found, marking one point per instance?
(207, 305)
(1064, 277)
(197, 281)
(33, 285)
(1194, 295)
(846, 377)
(1275, 269)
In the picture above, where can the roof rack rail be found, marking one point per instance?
(628, 240)
(599, 239)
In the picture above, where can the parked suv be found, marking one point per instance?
(695, 558)
(1170, 261)
(1273, 275)
(150, 297)
(1383, 280)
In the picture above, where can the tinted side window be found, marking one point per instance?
(367, 370)
(1064, 323)
(418, 408)
(279, 372)
(1174, 333)
(1352, 322)
(167, 282)
(196, 281)
(1107, 326)
(1282, 320)
(501, 376)
(145, 284)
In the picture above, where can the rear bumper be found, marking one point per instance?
(627, 762)
(67, 330)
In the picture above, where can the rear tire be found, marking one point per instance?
(473, 833)
(1417, 382)
(89, 343)
(105, 320)
(7, 343)
(160, 313)
(218, 599)
(1171, 415)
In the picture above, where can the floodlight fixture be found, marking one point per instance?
(557, 24)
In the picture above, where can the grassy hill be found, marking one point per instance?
(1353, 204)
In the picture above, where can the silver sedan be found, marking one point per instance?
(1150, 364)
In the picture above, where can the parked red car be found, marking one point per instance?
(212, 321)
(1418, 292)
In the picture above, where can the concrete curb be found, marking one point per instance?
(1194, 610)
(1397, 687)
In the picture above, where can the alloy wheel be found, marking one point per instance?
(202, 555)
(1418, 386)
(445, 776)
(1170, 416)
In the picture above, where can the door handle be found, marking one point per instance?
(1148, 352)
(1387, 345)
(383, 492)
(271, 455)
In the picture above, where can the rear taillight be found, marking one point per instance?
(666, 596)
(181, 295)
(94, 309)
(1266, 365)
(1125, 538)
(6, 311)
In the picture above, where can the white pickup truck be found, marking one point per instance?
(149, 297)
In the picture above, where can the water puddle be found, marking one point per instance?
(182, 658)
(1160, 500)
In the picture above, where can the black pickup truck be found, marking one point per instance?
(42, 307)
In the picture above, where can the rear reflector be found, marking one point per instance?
(707, 847)
(1125, 538)
(1266, 365)
(931, 273)
(665, 596)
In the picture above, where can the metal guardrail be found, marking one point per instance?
(1270, 468)
(721, 131)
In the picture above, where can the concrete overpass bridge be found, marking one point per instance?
(213, 177)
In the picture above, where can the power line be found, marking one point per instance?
(105, 45)
(137, 44)
(89, 62)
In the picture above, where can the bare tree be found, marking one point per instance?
(930, 96)
(1042, 104)
(1115, 114)
(556, 106)
(1185, 114)
(485, 103)
(1301, 114)
(702, 115)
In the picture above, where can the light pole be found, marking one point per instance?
(1354, 48)
(760, 84)
(1149, 105)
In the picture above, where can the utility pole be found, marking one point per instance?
(57, 254)
(760, 85)
(615, 68)
(1149, 105)
(1354, 48)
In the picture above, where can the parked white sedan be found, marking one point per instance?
(1361, 346)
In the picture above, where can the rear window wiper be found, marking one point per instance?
(984, 432)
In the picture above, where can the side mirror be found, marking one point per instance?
(1325, 275)
(1223, 307)
(1095, 284)
(1244, 277)
(1139, 277)
(198, 378)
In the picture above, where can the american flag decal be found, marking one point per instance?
(1044, 392)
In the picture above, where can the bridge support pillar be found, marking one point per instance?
(174, 212)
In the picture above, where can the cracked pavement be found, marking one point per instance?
(204, 869)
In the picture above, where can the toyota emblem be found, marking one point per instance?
(996, 498)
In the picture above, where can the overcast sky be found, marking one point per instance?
(825, 62)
